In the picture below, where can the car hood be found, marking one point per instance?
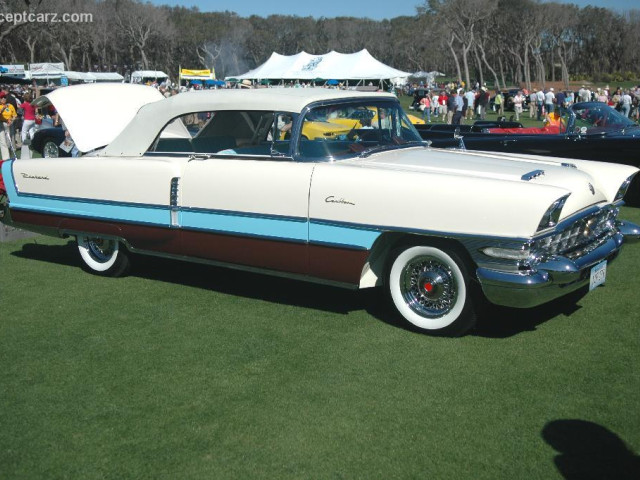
(588, 183)
(95, 114)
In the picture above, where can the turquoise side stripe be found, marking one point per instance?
(7, 176)
(290, 229)
(261, 226)
(134, 213)
(342, 235)
(237, 223)
(145, 214)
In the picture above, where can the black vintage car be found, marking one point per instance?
(588, 131)
(46, 142)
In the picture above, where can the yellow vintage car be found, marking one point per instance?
(327, 130)
(361, 117)
(415, 120)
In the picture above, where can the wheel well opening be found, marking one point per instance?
(381, 255)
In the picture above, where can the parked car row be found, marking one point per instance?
(587, 131)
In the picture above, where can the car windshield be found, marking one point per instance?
(346, 130)
(593, 118)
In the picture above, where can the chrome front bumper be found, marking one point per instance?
(553, 278)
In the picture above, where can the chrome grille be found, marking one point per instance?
(580, 236)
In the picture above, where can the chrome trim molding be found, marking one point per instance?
(173, 202)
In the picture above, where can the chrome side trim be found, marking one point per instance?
(173, 201)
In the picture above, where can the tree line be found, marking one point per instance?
(503, 42)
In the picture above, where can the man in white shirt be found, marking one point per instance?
(471, 98)
(549, 98)
(539, 103)
(518, 100)
(532, 103)
(585, 94)
(625, 103)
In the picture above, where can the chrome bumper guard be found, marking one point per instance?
(554, 277)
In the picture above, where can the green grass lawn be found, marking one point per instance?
(186, 371)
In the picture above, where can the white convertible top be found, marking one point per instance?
(136, 138)
(126, 118)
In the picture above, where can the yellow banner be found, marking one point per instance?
(198, 73)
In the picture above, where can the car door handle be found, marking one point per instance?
(200, 156)
(506, 142)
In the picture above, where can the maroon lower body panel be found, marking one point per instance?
(141, 237)
(337, 264)
(334, 264)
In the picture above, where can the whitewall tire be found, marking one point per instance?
(429, 288)
(103, 256)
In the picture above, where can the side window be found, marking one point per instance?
(226, 132)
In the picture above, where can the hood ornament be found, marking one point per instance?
(593, 190)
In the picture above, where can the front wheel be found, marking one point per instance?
(103, 256)
(429, 288)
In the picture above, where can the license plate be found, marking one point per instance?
(598, 275)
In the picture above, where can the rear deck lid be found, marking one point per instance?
(95, 114)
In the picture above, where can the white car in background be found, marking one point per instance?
(229, 177)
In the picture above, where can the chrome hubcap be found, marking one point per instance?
(100, 249)
(428, 287)
(50, 150)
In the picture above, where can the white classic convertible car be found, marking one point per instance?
(268, 179)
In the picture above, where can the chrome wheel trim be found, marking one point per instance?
(428, 286)
(445, 304)
(50, 150)
(100, 249)
(99, 254)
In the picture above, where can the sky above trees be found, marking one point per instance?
(376, 10)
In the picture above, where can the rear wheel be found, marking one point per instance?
(103, 256)
(429, 288)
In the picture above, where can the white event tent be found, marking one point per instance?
(141, 76)
(354, 67)
(91, 77)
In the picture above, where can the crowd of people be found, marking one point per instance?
(19, 119)
(453, 103)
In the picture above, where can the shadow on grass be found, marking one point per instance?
(503, 322)
(494, 322)
(587, 450)
(224, 280)
(58, 254)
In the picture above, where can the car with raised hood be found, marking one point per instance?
(210, 177)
